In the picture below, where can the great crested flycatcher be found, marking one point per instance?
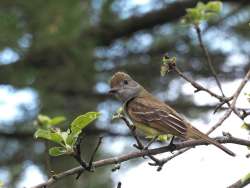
(152, 116)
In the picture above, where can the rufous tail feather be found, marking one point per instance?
(196, 134)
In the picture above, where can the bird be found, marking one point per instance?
(151, 116)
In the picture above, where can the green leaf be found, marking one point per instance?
(208, 15)
(200, 6)
(82, 121)
(56, 120)
(245, 178)
(72, 138)
(48, 135)
(78, 124)
(214, 6)
(194, 13)
(46, 122)
(43, 120)
(202, 12)
(57, 151)
(64, 136)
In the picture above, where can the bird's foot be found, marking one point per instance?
(146, 147)
(171, 145)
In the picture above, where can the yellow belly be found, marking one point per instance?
(146, 130)
(151, 133)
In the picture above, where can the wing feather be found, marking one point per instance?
(157, 117)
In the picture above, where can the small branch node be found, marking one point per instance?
(54, 177)
(227, 134)
(137, 147)
(116, 167)
(197, 90)
(159, 168)
(79, 174)
(119, 185)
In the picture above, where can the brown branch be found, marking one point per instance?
(138, 154)
(232, 105)
(213, 71)
(77, 155)
(200, 87)
(222, 119)
(95, 151)
(163, 161)
(86, 166)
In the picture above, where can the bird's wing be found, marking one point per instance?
(158, 116)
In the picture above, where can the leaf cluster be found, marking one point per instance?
(167, 64)
(66, 139)
(202, 12)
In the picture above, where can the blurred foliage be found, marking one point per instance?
(202, 12)
(66, 51)
(46, 122)
(246, 178)
(246, 126)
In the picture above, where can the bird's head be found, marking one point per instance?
(124, 87)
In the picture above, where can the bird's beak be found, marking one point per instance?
(113, 90)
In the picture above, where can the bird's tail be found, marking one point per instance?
(196, 134)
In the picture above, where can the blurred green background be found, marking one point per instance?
(56, 58)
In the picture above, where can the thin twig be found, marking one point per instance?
(232, 105)
(89, 166)
(165, 160)
(95, 151)
(200, 87)
(222, 99)
(77, 153)
(208, 59)
(138, 154)
(213, 71)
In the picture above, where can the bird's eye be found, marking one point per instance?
(125, 82)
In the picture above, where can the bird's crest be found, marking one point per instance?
(117, 77)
